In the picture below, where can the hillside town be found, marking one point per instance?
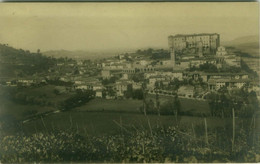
(129, 82)
(193, 66)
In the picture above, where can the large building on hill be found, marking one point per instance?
(197, 42)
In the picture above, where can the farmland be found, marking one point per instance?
(96, 123)
(103, 116)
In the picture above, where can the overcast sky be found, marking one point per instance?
(92, 26)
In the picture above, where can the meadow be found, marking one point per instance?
(99, 123)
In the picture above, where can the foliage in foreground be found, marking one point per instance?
(157, 145)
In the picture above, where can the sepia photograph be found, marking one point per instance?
(139, 82)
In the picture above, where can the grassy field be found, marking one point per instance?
(98, 123)
(16, 110)
(111, 105)
(104, 116)
(48, 91)
(187, 105)
(8, 108)
(194, 106)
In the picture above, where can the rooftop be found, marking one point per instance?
(224, 73)
(186, 35)
(228, 80)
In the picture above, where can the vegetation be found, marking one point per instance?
(245, 67)
(207, 67)
(243, 102)
(161, 144)
(138, 77)
(155, 106)
(133, 93)
(211, 68)
(80, 98)
(22, 63)
(59, 82)
(154, 54)
(110, 80)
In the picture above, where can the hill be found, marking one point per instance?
(81, 54)
(21, 63)
(93, 54)
(247, 44)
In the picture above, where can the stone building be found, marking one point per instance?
(205, 42)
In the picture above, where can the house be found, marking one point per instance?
(178, 75)
(221, 51)
(125, 76)
(105, 74)
(78, 82)
(186, 91)
(233, 61)
(60, 64)
(136, 85)
(167, 63)
(207, 76)
(80, 62)
(81, 87)
(216, 84)
(99, 93)
(121, 87)
(11, 83)
(98, 86)
(143, 62)
(154, 79)
(184, 64)
(65, 79)
(25, 82)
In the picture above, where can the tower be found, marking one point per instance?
(172, 56)
(200, 51)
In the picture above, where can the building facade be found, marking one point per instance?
(199, 42)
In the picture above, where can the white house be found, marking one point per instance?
(99, 93)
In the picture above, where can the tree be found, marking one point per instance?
(177, 104)
(111, 92)
(79, 99)
(138, 94)
(157, 104)
(129, 92)
(138, 77)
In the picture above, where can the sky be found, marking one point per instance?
(105, 26)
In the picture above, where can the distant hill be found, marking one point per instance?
(248, 44)
(66, 53)
(92, 55)
(80, 54)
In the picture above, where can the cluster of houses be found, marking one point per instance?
(213, 81)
